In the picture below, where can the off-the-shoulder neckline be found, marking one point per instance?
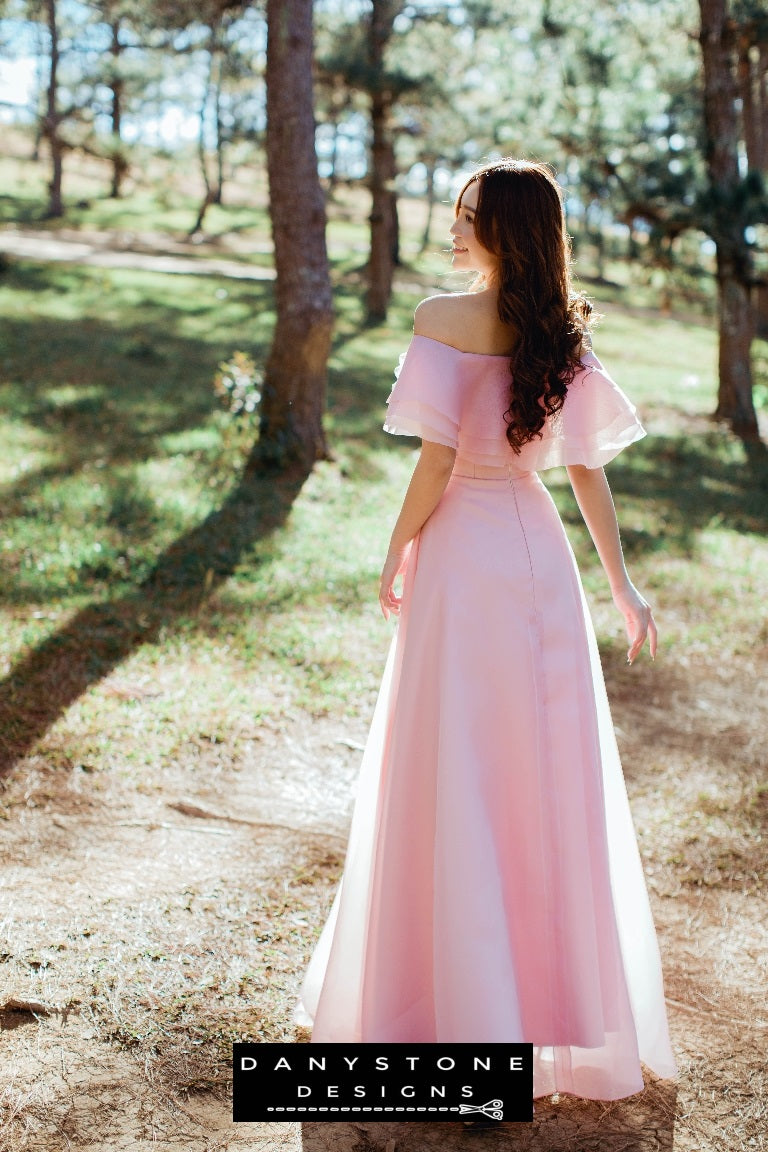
(461, 352)
(483, 355)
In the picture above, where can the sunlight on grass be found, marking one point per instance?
(657, 360)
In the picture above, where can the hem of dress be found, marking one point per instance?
(302, 1018)
(646, 1073)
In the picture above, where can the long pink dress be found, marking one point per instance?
(492, 889)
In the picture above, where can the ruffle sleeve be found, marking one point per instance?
(595, 423)
(426, 398)
(459, 399)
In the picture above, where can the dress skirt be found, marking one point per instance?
(493, 889)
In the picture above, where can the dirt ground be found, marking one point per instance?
(233, 861)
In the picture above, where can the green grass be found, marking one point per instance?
(161, 196)
(131, 541)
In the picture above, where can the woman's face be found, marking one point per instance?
(467, 251)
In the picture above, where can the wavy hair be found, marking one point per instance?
(520, 219)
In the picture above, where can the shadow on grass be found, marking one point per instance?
(129, 348)
(689, 484)
(22, 210)
(102, 635)
(110, 392)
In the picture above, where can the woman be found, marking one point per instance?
(492, 889)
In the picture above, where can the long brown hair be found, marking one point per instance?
(520, 218)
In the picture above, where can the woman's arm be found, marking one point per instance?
(427, 485)
(593, 496)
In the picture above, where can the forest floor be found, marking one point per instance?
(179, 756)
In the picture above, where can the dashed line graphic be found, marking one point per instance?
(352, 1108)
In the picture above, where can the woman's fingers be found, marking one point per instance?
(652, 636)
(389, 600)
(638, 619)
(394, 566)
(638, 628)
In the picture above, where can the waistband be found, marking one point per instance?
(508, 472)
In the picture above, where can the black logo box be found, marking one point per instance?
(383, 1082)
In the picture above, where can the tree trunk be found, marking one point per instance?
(201, 118)
(593, 227)
(52, 118)
(218, 193)
(394, 216)
(384, 232)
(119, 163)
(333, 179)
(339, 101)
(210, 193)
(40, 90)
(762, 104)
(753, 76)
(761, 310)
(752, 127)
(380, 263)
(734, 399)
(430, 166)
(291, 429)
(201, 213)
(761, 164)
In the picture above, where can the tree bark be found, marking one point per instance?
(291, 431)
(761, 162)
(119, 163)
(762, 103)
(734, 400)
(752, 76)
(333, 179)
(202, 211)
(202, 115)
(752, 129)
(40, 90)
(219, 127)
(384, 252)
(52, 117)
(211, 194)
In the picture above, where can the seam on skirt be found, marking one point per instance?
(550, 855)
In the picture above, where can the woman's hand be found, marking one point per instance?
(394, 566)
(593, 496)
(638, 619)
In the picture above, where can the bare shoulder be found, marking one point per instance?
(467, 321)
(437, 316)
(432, 315)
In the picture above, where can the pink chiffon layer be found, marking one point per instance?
(493, 889)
